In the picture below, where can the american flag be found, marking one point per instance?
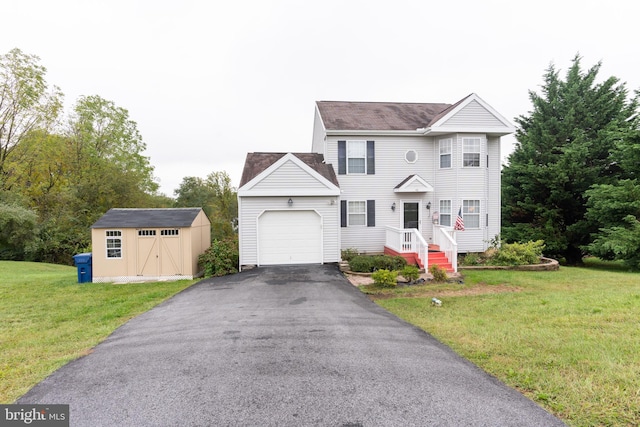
(459, 225)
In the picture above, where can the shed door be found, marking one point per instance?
(148, 260)
(289, 237)
(171, 252)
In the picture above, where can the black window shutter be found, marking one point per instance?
(343, 213)
(342, 158)
(371, 213)
(371, 158)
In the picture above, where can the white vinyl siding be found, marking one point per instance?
(473, 116)
(445, 213)
(288, 175)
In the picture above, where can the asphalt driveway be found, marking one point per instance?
(279, 346)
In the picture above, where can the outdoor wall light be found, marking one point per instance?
(428, 206)
(290, 202)
(393, 206)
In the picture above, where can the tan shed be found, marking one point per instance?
(132, 245)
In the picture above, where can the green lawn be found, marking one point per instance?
(47, 319)
(569, 339)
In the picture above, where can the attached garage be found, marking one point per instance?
(288, 210)
(131, 245)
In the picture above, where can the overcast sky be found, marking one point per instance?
(209, 81)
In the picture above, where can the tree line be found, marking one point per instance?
(60, 172)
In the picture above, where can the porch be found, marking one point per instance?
(409, 244)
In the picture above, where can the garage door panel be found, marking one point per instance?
(290, 237)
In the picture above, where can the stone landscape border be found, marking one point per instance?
(547, 264)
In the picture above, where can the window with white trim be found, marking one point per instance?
(471, 152)
(357, 213)
(169, 232)
(471, 213)
(445, 153)
(356, 157)
(445, 212)
(114, 243)
(143, 233)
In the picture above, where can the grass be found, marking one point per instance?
(569, 339)
(47, 319)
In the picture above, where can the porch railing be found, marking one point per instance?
(444, 237)
(407, 241)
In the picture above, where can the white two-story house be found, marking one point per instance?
(403, 173)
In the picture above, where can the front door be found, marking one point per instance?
(411, 212)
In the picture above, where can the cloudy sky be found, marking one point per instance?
(209, 81)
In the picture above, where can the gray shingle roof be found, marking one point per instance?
(339, 115)
(256, 163)
(146, 218)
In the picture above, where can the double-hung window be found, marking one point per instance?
(445, 153)
(445, 213)
(356, 157)
(114, 243)
(471, 213)
(358, 213)
(471, 152)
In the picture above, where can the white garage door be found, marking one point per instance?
(289, 237)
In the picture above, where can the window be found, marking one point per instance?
(471, 152)
(356, 157)
(114, 243)
(169, 232)
(146, 232)
(411, 156)
(445, 153)
(445, 212)
(357, 213)
(471, 213)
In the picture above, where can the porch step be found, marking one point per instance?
(440, 259)
(435, 257)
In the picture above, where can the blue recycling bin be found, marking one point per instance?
(83, 263)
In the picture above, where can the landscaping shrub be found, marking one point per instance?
(221, 258)
(439, 274)
(348, 254)
(410, 272)
(472, 258)
(371, 263)
(519, 253)
(385, 278)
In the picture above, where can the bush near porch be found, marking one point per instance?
(371, 263)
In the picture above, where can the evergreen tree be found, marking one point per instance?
(565, 146)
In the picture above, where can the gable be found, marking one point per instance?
(291, 176)
(471, 114)
(413, 184)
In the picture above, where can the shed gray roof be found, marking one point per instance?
(340, 115)
(145, 218)
(258, 162)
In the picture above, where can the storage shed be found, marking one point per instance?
(288, 210)
(131, 245)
